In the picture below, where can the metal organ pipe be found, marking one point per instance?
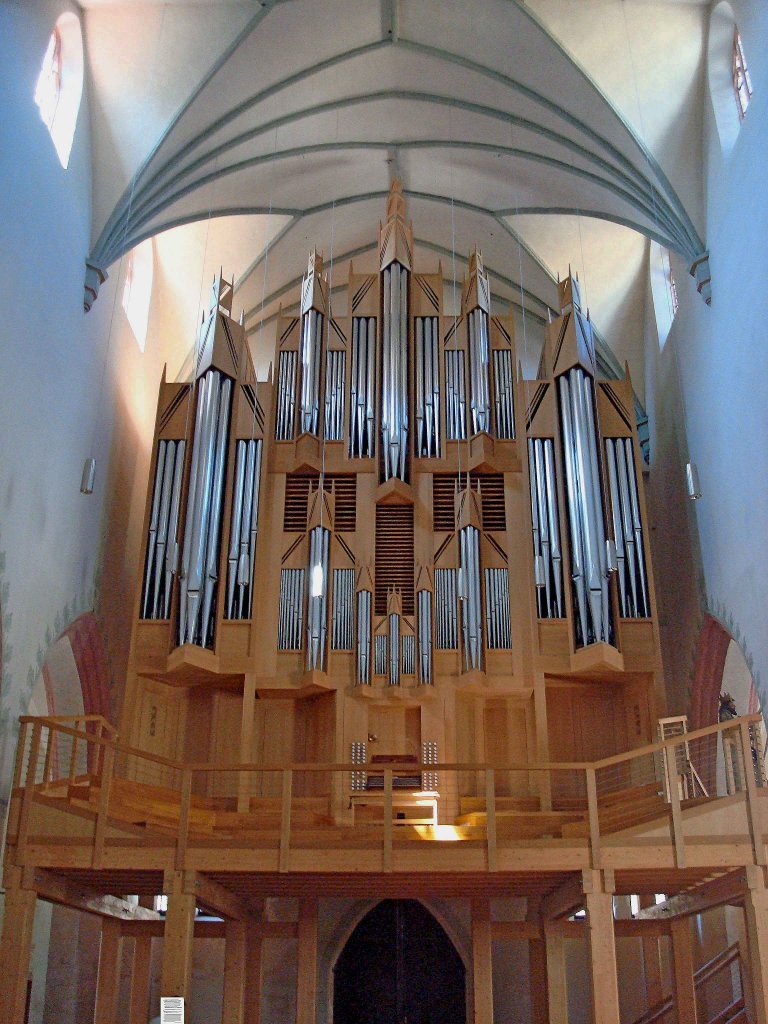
(471, 614)
(445, 601)
(427, 388)
(479, 356)
(546, 527)
(334, 395)
(424, 605)
(199, 570)
(364, 637)
(394, 649)
(162, 546)
(311, 345)
(585, 507)
(618, 532)
(317, 603)
(394, 361)
(627, 526)
(343, 606)
(497, 609)
(456, 403)
(503, 390)
(243, 529)
(409, 654)
(286, 396)
(361, 412)
(291, 617)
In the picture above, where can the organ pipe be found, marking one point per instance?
(343, 609)
(479, 356)
(585, 510)
(162, 545)
(471, 613)
(243, 529)
(291, 616)
(445, 604)
(394, 374)
(546, 527)
(394, 649)
(456, 403)
(503, 394)
(427, 388)
(334, 395)
(380, 654)
(311, 345)
(317, 603)
(627, 527)
(362, 387)
(364, 637)
(286, 396)
(409, 654)
(497, 619)
(200, 554)
(424, 606)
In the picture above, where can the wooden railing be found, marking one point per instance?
(703, 975)
(50, 752)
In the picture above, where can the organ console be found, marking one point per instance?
(395, 536)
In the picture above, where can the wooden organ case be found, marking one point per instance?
(395, 549)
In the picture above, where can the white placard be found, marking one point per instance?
(171, 1010)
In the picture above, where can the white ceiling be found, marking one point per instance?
(552, 132)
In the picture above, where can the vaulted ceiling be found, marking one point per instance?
(552, 132)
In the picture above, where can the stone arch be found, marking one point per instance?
(455, 925)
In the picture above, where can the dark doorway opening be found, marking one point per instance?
(399, 967)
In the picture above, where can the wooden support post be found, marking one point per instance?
(537, 972)
(758, 846)
(16, 945)
(756, 920)
(557, 987)
(138, 1007)
(490, 817)
(185, 803)
(594, 817)
(306, 986)
(100, 828)
(108, 978)
(482, 964)
(285, 819)
(246, 741)
(177, 937)
(233, 1001)
(682, 970)
(673, 788)
(253, 976)
(598, 900)
(654, 991)
(387, 850)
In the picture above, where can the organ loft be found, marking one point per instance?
(395, 639)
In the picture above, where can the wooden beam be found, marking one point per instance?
(557, 986)
(253, 941)
(16, 945)
(233, 1000)
(218, 898)
(179, 930)
(537, 973)
(211, 929)
(306, 987)
(727, 888)
(683, 971)
(532, 931)
(138, 1006)
(598, 898)
(246, 741)
(756, 921)
(482, 965)
(108, 977)
(654, 991)
(564, 900)
(55, 889)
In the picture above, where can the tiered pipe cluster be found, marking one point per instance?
(546, 528)
(380, 654)
(456, 400)
(427, 388)
(589, 563)
(479, 358)
(317, 604)
(503, 394)
(364, 637)
(291, 618)
(394, 649)
(162, 546)
(286, 396)
(409, 654)
(343, 609)
(424, 608)
(497, 621)
(200, 554)
(362, 388)
(311, 346)
(394, 372)
(243, 529)
(446, 634)
(335, 364)
(627, 527)
(469, 593)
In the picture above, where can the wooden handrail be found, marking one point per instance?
(704, 974)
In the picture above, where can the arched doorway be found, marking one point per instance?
(399, 967)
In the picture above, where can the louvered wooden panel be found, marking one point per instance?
(297, 490)
(492, 491)
(394, 555)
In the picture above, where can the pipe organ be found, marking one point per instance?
(395, 541)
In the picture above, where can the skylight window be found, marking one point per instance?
(137, 290)
(742, 83)
(60, 84)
